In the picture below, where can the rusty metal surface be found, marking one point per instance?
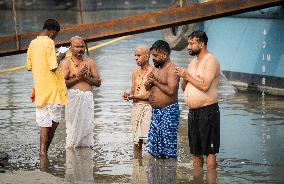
(142, 23)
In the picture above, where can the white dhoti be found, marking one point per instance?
(140, 119)
(79, 116)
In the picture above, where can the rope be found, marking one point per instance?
(90, 49)
(108, 43)
(12, 69)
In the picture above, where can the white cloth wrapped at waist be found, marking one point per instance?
(79, 116)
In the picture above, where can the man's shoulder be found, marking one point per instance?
(89, 61)
(211, 56)
(170, 67)
(212, 59)
(66, 61)
(42, 42)
(136, 71)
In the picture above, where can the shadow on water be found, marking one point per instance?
(251, 130)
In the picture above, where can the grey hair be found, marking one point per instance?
(145, 48)
(75, 38)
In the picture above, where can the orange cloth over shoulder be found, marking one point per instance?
(33, 95)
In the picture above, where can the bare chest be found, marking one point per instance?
(196, 70)
(75, 69)
(140, 79)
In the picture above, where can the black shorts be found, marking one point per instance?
(204, 130)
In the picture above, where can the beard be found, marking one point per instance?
(194, 52)
(158, 65)
(80, 54)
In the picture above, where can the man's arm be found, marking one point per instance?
(94, 78)
(66, 72)
(210, 70)
(59, 58)
(71, 81)
(126, 95)
(149, 83)
(144, 97)
(183, 84)
(29, 59)
(137, 97)
(171, 87)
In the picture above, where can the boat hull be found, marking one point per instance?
(250, 48)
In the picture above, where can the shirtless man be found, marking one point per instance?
(200, 86)
(163, 86)
(80, 75)
(141, 110)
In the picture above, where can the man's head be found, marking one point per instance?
(52, 28)
(78, 46)
(142, 54)
(160, 51)
(197, 41)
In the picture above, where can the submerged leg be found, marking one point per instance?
(211, 168)
(211, 161)
(198, 175)
(51, 133)
(211, 176)
(43, 142)
(198, 161)
(43, 164)
(137, 149)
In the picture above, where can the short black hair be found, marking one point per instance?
(200, 35)
(161, 45)
(51, 25)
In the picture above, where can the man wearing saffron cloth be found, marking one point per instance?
(50, 89)
(80, 73)
(163, 86)
(141, 110)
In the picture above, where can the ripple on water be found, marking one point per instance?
(251, 128)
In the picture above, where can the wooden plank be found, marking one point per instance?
(142, 23)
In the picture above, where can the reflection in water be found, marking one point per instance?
(162, 171)
(252, 139)
(79, 165)
(197, 176)
(211, 176)
(139, 174)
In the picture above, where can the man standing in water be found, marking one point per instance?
(50, 90)
(80, 75)
(141, 110)
(200, 86)
(163, 86)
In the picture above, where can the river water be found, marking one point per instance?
(252, 126)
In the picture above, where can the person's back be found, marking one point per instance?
(49, 87)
